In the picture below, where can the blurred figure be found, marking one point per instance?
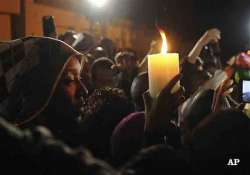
(99, 52)
(210, 57)
(211, 97)
(126, 64)
(109, 47)
(102, 74)
(68, 37)
(126, 61)
(194, 69)
(84, 43)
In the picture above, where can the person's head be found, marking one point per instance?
(219, 138)
(50, 71)
(127, 138)
(68, 37)
(126, 60)
(71, 90)
(131, 50)
(157, 159)
(99, 52)
(84, 43)
(109, 47)
(103, 110)
(138, 87)
(102, 74)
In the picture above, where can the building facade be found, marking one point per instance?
(21, 18)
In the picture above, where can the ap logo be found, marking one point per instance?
(233, 162)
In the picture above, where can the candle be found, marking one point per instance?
(162, 68)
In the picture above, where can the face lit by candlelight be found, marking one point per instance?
(164, 48)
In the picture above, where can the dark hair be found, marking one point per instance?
(100, 63)
(124, 54)
(68, 33)
(109, 46)
(99, 52)
(86, 44)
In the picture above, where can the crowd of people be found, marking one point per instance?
(75, 105)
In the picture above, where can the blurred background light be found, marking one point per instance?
(99, 3)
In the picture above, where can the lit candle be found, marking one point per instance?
(162, 68)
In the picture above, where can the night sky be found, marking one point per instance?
(190, 18)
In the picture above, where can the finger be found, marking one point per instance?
(178, 99)
(229, 71)
(174, 99)
(116, 66)
(215, 30)
(241, 106)
(215, 40)
(182, 100)
(228, 92)
(228, 84)
(231, 61)
(153, 43)
(170, 85)
(113, 67)
(179, 93)
(219, 36)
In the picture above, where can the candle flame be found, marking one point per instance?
(164, 48)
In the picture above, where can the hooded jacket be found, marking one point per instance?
(30, 69)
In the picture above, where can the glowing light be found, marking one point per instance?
(164, 47)
(98, 3)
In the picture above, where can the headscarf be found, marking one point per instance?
(30, 69)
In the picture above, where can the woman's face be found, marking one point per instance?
(71, 82)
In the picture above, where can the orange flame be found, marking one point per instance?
(164, 47)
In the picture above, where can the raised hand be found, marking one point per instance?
(160, 111)
(211, 35)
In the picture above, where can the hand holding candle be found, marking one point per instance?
(162, 68)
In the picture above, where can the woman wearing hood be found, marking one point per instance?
(41, 84)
